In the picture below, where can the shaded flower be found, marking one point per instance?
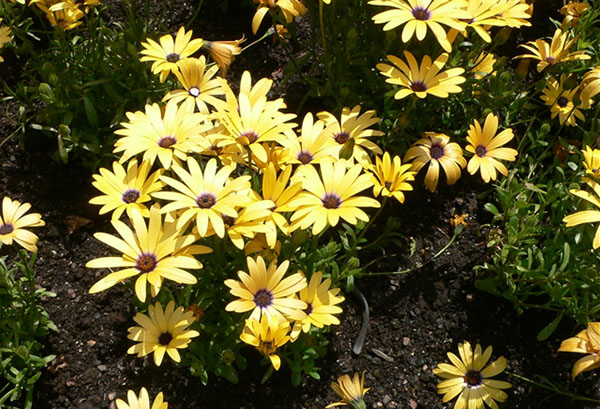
(483, 65)
(587, 216)
(162, 332)
(223, 52)
(572, 12)
(550, 54)
(470, 379)
(142, 401)
(351, 390)
(267, 334)
(585, 342)
(422, 80)
(590, 86)
(391, 177)
(14, 221)
(436, 150)
(561, 101)
(289, 8)
(5, 37)
(487, 148)
(251, 221)
(312, 144)
(591, 161)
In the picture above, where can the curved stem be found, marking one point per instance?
(358, 344)
(553, 388)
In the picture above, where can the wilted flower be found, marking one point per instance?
(550, 54)
(267, 334)
(572, 12)
(351, 390)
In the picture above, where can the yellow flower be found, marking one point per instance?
(267, 334)
(251, 221)
(13, 222)
(436, 149)
(422, 80)
(586, 342)
(419, 16)
(592, 161)
(590, 86)
(153, 252)
(587, 216)
(200, 88)
(572, 12)
(483, 14)
(259, 246)
(391, 177)
(515, 13)
(223, 52)
(167, 55)
(289, 8)
(331, 195)
(206, 196)
(467, 378)
(351, 390)
(126, 190)
(550, 54)
(142, 401)
(561, 101)
(483, 65)
(311, 146)
(169, 135)
(265, 292)
(162, 332)
(487, 148)
(5, 37)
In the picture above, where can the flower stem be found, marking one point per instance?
(553, 388)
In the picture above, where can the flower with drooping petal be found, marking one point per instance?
(264, 291)
(436, 150)
(483, 65)
(153, 252)
(5, 37)
(586, 342)
(553, 53)
(487, 148)
(289, 8)
(13, 223)
(424, 79)
(266, 335)
(591, 161)
(142, 401)
(162, 331)
(351, 390)
(391, 177)
(572, 12)
(470, 379)
(587, 216)
(223, 52)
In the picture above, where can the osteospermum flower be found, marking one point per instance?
(168, 135)
(550, 54)
(487, 148)
(351, 390)
(424, 79)
(586, 342)
(312, 144)
(167, 55)
(126, 190)
(470, 379)
(152, 252)
(436, 150)
(265, 292)
(331, 195)
(483, 14)
(14, 221)
(200, 86)
(562, 101)
(483, 65)
(587, 216)
(289, 8)
(5, 37)
(267, 334)
(591, 161)
(516, 13)
(205, 196)
(142, 401)
(250, 222)
(419, 16)
(572, 12)
(391, 177)
(162, 332)
(223, 52)
(590, 86)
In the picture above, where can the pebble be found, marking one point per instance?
(405, 341)
(412, 404)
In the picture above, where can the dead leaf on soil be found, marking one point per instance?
(57, 363)
(75, 223)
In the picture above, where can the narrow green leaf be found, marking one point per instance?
(549, 329)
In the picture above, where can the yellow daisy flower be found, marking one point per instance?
(487, 148)
(162, 332)
(553, 53)
(591, 161)
(419, 16)
(206, 196)
(5, 37)
(289, 8)
(470, 379)
(586, 342)
(200, 88)
(391, 177)
(331, 195)
(142, 401)
(126, 190)
(312, 144)
(436, 150)
(259, 246)
(266, 335)
(422, 80)
(13, 222)
(483, 65)
(483, 14)
(265, 292)
(561, 101)
(250, 222)
(153, 252)
(167, 55)
(223, 52)
(168, 135)
(351, 390)
(572, 12)
(590, 86)
(516, 13)
(587, 216)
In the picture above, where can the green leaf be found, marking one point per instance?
(492, 209)
(549, 329)
(90, 112)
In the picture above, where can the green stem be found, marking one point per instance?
(322, 28)
(553, 388)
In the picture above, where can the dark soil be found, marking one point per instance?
(415, 318)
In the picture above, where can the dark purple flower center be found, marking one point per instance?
(550, 59)
(165, 338)
(309, 309)
(228, 220)
(473, 378)
(418, 86)
(436, 151)
(341, 137)
(146, 263)
(250, 135)
(206, 200)
(331, 201)
(562, 102)
(420, 13)
(266, 347)
(263, 298)
(304, 157)
(130, 196)
(167, 142)
(194, 91)
(480, 151)
(388, 185)
(173, 57)
(6, 228)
